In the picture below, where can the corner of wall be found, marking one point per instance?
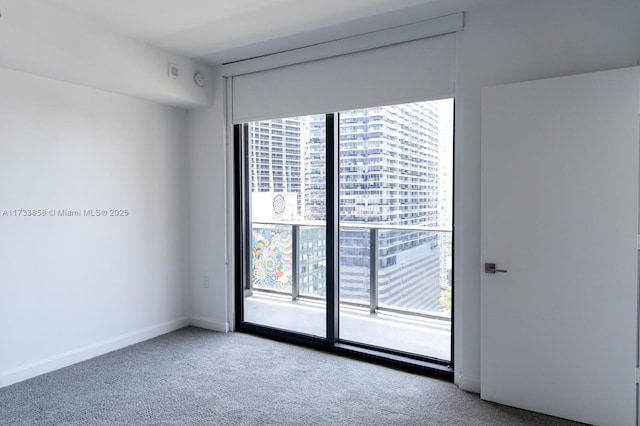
(207, 152)
(24, 372)
(210, 324)
(468, 384)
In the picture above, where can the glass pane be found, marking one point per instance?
(354, 265)
(287, 210)
(395, 227)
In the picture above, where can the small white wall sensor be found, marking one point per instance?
(198, 78)
(174, 71)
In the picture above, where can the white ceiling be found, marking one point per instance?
(218, 31)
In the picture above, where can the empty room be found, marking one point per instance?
(299, 212)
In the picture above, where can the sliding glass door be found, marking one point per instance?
(377, 183)
(286, 219)
(395, 227)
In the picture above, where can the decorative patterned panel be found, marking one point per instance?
(271, 259)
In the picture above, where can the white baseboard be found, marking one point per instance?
(24, 372)
(469, 384)
(210, 324)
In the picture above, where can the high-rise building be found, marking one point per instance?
(390, 172)
(315, 169)
(389, 175)
(276, 156)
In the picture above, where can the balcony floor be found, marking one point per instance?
(406, 333)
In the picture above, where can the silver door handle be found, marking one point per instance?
(490, 268)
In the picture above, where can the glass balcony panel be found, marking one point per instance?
(354, 265)
(312, 276)
(413, 304)
(272, 258)
(288, 292)
(413, 271)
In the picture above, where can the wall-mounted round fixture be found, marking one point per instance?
(198, 78)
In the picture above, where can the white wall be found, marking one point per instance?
(43, 39)
(528, 40)
(208, 213)
(75, 287)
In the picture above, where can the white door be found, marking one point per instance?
(560, 215)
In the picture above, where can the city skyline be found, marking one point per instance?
(395, 170)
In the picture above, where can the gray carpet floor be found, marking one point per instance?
(198, 377)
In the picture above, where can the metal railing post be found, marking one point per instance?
(296, 264)
(374, 260)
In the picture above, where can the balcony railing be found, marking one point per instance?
(391, 267)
